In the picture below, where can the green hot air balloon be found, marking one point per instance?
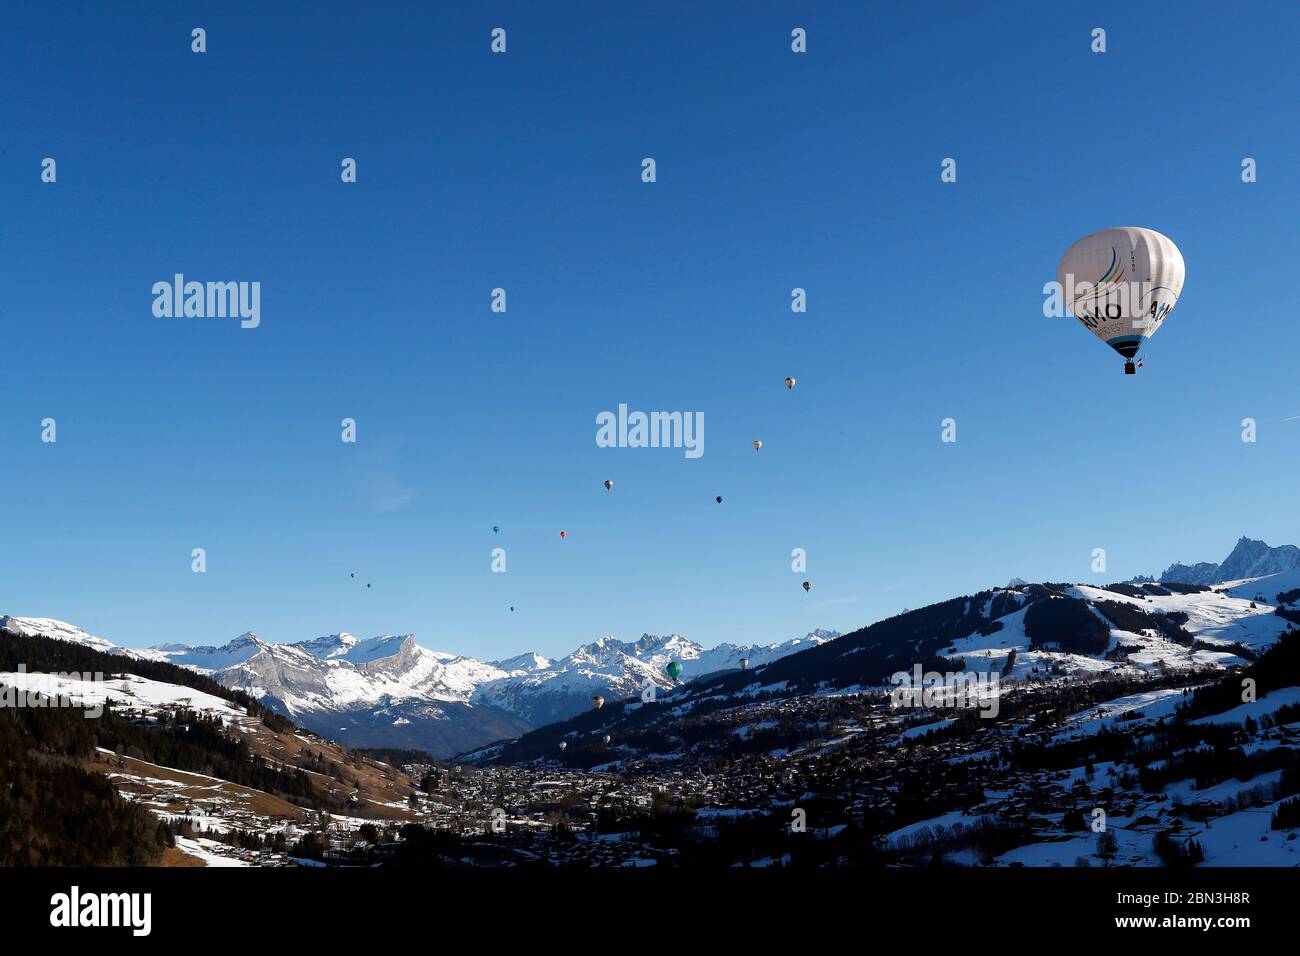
(674, 670)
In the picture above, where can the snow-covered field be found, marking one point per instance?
(123, 691)
(1217, 619)
(1149, 706)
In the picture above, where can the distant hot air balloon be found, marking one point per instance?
(564, 534)
(608, 484)
(718, 499)
(512, 609)
(789, 381)
(757, 445)
(744, 663)
(607, 738)
(1122, 283)
(354, 574)
(496, 529)
(674, 669)
(807, 585)
(598, 702)
(563, 744)
(367, 585)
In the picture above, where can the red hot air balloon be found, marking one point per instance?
(564, 534)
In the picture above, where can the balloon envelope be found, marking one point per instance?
(608, 484)
(1122, 283)
(598, 702)
(807, 585)
(757, 445)
(789, 381)
(674, 669)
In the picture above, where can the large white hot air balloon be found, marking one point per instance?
(1122, 283)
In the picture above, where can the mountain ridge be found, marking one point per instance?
(390, 691)
(1249, 558)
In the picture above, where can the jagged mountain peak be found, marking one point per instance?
(330, 645)
(526, 662)
(1249, 558)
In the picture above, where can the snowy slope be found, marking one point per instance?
(59, 630)
(128, 690)
(1216, 619)
(1212, 617)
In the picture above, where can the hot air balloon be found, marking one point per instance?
(564, 534)
(789, 381)
(1122, 283)
(598, 702)
(354, 574)
(718, 499)
(563, 744)
(496, 529)
(607, 738)
(608, 484)
(807, 585)
(367, 585)
(674, 669)
(757, 445)
(744, 663)
(512, 609)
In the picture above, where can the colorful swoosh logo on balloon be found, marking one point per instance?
(1113, 277)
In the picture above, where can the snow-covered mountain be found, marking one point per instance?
(59, 630)
(1249, 559)
(390, 691)
(614, 669)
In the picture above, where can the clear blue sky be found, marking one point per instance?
(775, 170)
